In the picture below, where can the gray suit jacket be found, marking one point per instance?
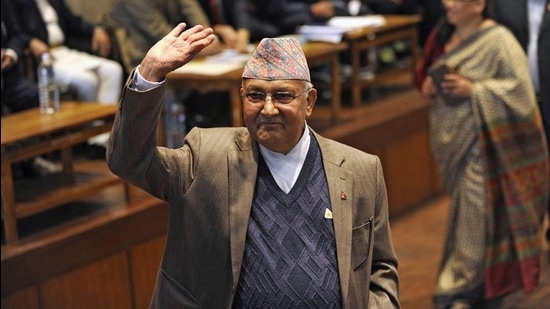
(209, 185)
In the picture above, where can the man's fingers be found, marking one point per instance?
(189, 32)
(178, 29)
(196, 33)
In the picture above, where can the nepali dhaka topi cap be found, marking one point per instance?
(278, 58)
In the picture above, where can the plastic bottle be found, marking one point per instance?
(175, 125)
(47, 88)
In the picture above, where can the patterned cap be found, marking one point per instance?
(277, 58)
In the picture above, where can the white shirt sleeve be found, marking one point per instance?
(141, 84)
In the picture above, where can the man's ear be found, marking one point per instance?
(311, 99)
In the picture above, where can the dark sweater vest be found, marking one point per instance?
(290, 252)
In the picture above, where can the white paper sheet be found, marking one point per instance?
(335, 29)
(218, 64)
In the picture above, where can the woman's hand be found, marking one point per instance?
(455, 85)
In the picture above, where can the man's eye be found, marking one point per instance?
(283, 97)
(255, 96)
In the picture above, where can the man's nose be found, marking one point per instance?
(269, 106)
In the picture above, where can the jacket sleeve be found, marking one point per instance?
(14, 38)
(132, 152)
(384, 285)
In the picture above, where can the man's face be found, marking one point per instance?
(275, 111)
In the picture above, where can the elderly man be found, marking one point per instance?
(268, 216)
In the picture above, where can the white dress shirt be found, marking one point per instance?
(49, 15)
(286, 168)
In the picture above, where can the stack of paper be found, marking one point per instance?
(322, 33)
(356, 22)
(335, 29)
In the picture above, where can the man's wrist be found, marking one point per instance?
(142, 84)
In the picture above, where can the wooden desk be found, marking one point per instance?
(397, 27)
(320, 53)
(28, 134)
(317, 54)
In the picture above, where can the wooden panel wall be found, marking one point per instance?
(111, 262)
(145, 260)
(107, 278)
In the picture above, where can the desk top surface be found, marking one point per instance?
(393, 22)
(30, 123)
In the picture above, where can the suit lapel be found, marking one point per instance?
(341, 197)
(243, 167)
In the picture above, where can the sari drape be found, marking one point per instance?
(493, 161)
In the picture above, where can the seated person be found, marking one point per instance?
(18, 92)
(236, 22)
(392, 7)
(138, 24)
(288, 15)
(50, 26)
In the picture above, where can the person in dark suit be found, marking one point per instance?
(18, 92)
(515, 15)
(288, 15)
(241, 15)
(529, 21)
(80, 49)
(268, 216)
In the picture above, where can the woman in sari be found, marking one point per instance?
(487, 137)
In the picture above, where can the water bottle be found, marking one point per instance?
(175, 125)
(47, 88)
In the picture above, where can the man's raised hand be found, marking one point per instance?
(174, 50)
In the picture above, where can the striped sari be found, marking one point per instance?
(494, 163)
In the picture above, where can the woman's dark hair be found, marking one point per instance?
(446, 29)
